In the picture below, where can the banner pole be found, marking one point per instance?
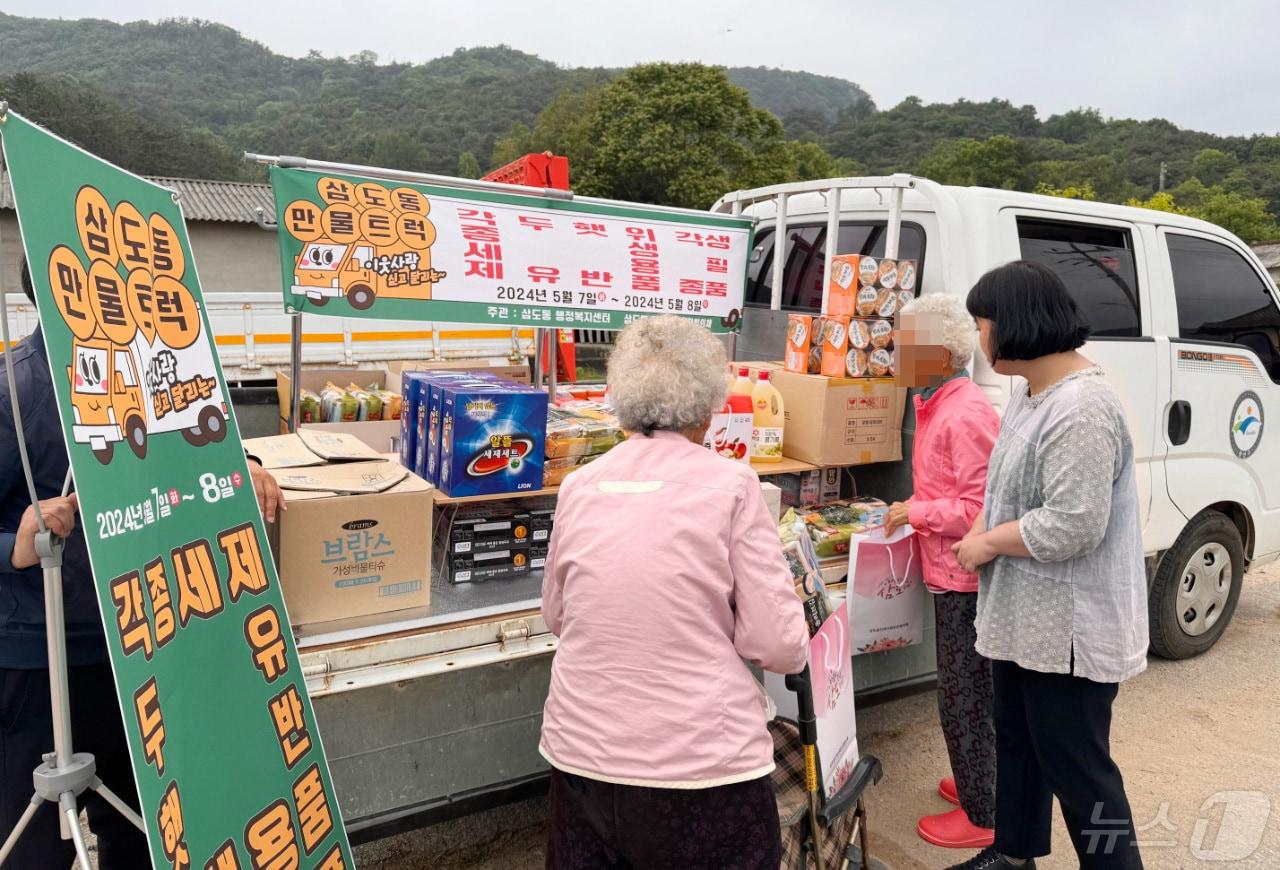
(295, 368)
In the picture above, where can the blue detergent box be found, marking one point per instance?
(427, 459)
(409, 418)
(492, 439)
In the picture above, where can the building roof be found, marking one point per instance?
(201, 199)
(1268, 253)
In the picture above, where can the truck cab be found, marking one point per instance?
(1185, 321)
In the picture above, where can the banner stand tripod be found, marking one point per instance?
(64, 774)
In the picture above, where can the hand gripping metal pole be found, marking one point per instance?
(64, 773)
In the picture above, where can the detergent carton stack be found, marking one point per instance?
(475, 433)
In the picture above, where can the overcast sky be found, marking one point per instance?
(1204, 65)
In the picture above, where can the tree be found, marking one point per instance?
(997, 162)
(679, 134)
(468, 166)
(1162, 201)
(395, 150)
(1246, 217)
(1212, 166)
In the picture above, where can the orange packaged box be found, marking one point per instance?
(799, 339)
(843, 289)
(835, 341)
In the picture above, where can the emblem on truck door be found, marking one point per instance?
(1246, 425)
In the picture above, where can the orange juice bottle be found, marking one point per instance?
(769, 419)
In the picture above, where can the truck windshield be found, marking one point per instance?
(807, 258)
(90, 371)
(322, 257)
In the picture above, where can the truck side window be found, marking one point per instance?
(807, 259)
(1096, 264)
(1222, 298)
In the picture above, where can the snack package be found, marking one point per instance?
(907, 276)
(799, 339)
(815, 345)
(868, 300)
(835, 341)
(880, 363)
(337, 405)
(392, 402)
(369, 405)
(867, 270)
(831, 526)
(904, 296)
(308, 407)
(887, 276)
(881, 333)
(843, 286)
(860, 334)
(886, 303)
(856, 363)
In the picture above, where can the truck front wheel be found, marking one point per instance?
(360, 296)
(105, 453)
(1196, 587)
(135, 432)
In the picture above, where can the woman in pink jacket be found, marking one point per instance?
(664, 574)
(956, 429)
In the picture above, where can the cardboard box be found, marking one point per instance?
(343, 554)
(378, 435)
(772, 498)
(518, 372)
(315, 379)
(841, 421)
(492, 440)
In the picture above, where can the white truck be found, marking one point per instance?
(438, 715)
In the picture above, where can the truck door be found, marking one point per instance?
(1103, 266)
(1225, 367)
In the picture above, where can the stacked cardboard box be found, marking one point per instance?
(493, 541)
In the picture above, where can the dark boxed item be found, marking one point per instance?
(541, 521)
(497, 565)
(500, 530)
(538, 557)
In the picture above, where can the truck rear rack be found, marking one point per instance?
(831, 190)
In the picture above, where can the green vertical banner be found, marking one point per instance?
(225, 748)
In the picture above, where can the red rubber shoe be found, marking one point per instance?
(953, 830)
(947, 788)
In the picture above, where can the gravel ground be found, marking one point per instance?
(1196, 740)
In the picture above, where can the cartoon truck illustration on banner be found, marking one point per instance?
(132, 392)
(366, 242)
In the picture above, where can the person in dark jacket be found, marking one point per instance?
(26, 724)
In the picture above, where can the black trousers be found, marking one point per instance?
(597, 824)
(1053, 737)
(965, 701)
(26, 733)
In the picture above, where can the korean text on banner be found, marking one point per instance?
(221, 731)
(360, 247)
(885, 591)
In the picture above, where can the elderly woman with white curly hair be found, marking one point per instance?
(664, 574)
(956, 429)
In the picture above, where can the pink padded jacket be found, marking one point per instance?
(664, 573)
(956, 429)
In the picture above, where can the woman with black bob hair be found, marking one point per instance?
(1062, 609)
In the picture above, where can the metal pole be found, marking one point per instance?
(553, 361)
(779, 252)
(894, 231)
(833, 238)
(56, 639)
(295, 369)
(539, 341)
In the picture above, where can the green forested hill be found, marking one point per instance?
(205, 93)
